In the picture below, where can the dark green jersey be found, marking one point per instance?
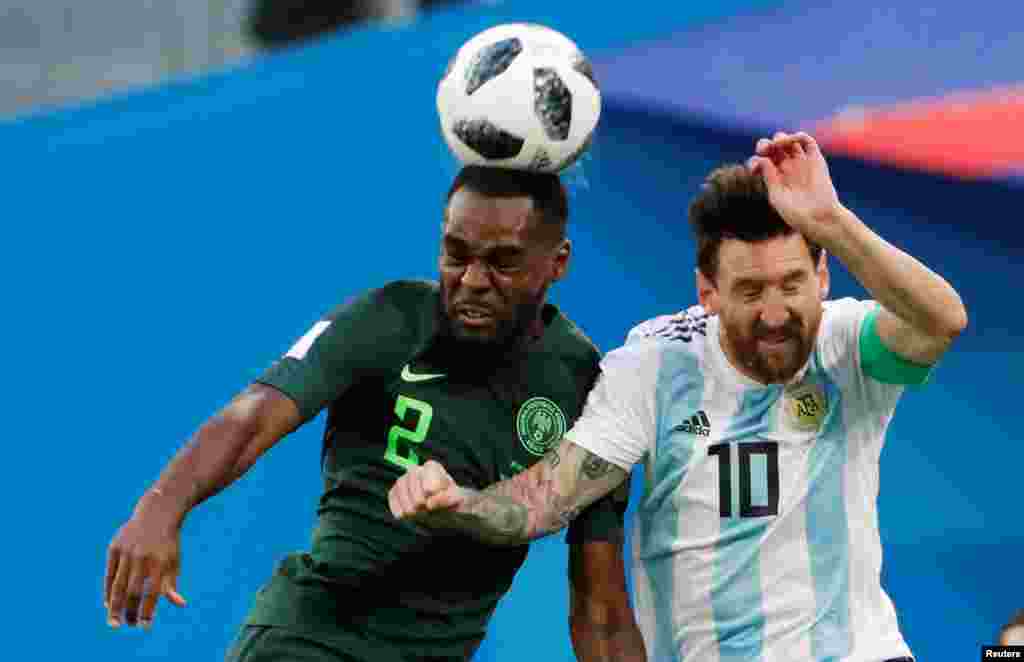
(397, 395)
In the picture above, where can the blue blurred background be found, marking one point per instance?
(164, 242)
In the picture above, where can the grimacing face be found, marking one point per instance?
(768, 296)
(495, 267)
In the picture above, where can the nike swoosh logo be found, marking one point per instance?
(410, 376)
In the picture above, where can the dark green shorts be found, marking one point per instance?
(267, 643)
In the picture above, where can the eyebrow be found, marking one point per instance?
(790, 276)
(459, 244)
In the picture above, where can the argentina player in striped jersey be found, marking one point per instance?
(759, 417)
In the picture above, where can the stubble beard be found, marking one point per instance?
(778, 366)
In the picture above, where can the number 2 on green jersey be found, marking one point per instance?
(402, 441)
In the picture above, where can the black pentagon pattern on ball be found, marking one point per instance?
(491, 61)
(487, 140)
(552, 101)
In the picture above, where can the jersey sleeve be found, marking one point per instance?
(618, 423)
(355, 341)
(883, 364)
(846, 352)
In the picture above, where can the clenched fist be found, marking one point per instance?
(423, 490)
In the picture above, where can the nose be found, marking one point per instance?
(775, 313)
(476, 276)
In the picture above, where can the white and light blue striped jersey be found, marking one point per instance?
(757, 535)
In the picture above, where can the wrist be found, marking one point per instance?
(157, 504)
(846, 229)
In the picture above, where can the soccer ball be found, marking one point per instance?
(519, 96)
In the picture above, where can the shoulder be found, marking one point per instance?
(389, 303)
(391, 318)
(838, 343)
(841, 319)
(666, 347)
(685, 326)
(845, 309)
(570, 341)
(405, 295)
(679, 337)
(642, 358)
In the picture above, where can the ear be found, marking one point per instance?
(562, 255)
(824, 278)
(707, 293)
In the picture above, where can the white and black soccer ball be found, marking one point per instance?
(519, 96)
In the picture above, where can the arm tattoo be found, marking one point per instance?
(537, 502)
(552, 456)
(594, 467)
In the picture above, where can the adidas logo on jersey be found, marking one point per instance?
(698, 424)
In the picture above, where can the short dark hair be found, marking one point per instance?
(734, 204)
(550, 200)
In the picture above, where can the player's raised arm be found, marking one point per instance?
(142, 560)
(333, 355)
(535, 503)
(921, 313)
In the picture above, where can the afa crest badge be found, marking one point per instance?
(540, 423)
(806, 406)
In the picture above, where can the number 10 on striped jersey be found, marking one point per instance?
(764, 474)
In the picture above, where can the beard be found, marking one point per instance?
(778, 364)
(475, 351)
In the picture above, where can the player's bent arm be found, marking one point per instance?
(143, 558)
(910, 343)
(535, 503)
(921, 312)
(222, 450)
(601, 621)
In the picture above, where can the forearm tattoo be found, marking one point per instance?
(594, 467)
(536, 502)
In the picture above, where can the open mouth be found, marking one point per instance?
(474, 315)
(774, 341)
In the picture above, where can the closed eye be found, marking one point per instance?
(506, 266)
(750, 292)
(793, 281)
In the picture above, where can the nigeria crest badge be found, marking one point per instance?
(540, 423)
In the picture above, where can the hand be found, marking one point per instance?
(799, 185)
(422, 490)
(142, 565)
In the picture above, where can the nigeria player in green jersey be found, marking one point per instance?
(477, 372)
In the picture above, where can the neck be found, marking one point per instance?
(535, 329)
